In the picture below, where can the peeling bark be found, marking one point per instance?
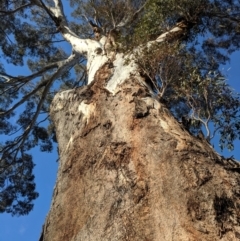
(129, 171)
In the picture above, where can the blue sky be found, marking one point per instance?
(28, 228)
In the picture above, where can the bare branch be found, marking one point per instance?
(59, 6)
(196, 116)
(69, 63)
(6, 35)
(50, 12)
(12, 80)
(130, 18)
(175, 33)
(43, 119)
(25, 98)
(72, 60)
(61, 66)
(226, 16)
(6, 76)
(113, 20)
(95, 14)
(15, 10)
(55, 13)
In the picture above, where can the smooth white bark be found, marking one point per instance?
(123, 66)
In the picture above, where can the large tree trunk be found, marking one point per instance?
(129, 171)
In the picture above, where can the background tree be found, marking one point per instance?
(177, 47)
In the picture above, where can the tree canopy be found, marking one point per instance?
(179, 47)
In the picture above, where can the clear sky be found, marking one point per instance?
(28, 228)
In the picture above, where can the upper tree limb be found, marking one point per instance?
(79, 46)
(9, 12)
(63, 66)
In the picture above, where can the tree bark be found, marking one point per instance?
(129, 171)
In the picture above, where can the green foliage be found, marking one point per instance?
(17, 185)
(184, 71)
(28, 36)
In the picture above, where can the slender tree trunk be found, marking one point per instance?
(129, 171)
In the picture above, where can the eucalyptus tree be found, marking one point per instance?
(173, 48)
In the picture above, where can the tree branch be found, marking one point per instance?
(80, 46)
(221, 15)
(69, 63)
(25, 98)
(61, 67)
(175, 33)
(129, 19)
(12, 80)
(15, 10)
